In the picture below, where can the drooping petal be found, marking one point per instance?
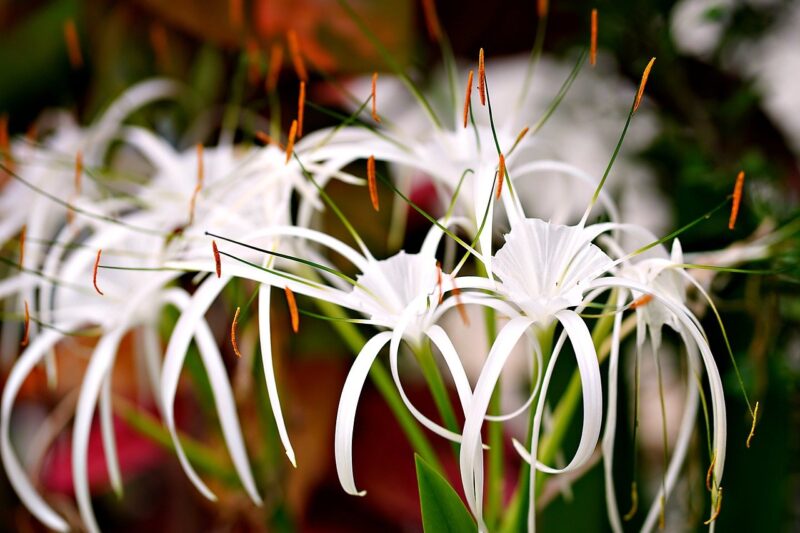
(16, 474)
(192, 324)
(348, 402)
(269, 370)
(471, 455)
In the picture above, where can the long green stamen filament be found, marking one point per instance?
(390, 61)
(494, 135)
(451, 207)
(634, 107)
(562, 92)
(300, 260)
(15, 264)
(431, 219)
(94, 331)
(536, 53)
(71, 207)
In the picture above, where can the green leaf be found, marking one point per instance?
(442, 508)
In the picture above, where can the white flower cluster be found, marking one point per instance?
(105, 249)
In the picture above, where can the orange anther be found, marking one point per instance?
(372, 183)
(297, 58)
(94, 272)
(737, 199)
(293, 313)
(468, 96)
(233, 333)
(217, 260)
(642, 84)
(290, 142)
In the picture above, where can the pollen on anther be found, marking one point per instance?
(501, 174)
(266, 139)
(235, 13)
(27, 331)
(217, 260)
(297, 58)
(293, 313)
(94, 271)
(634, 503)
(640, 92)
(717, 509)
(23, 232)
(753, 426)
(593, 44)
(275, 62)
(468, 96)
(710, 472)
(439, 281)
(737, 199)
(160, 44)
(78, 171)
(642, 301)
(481, 77)
(460, 306)
(290, 141)
(431, 20)
(301, 108)
(521, 135)
(73, 44)
(233, 333)
(542, 8)
(372, 183)
(373, 97)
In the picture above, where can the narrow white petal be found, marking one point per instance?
(471, 455)
(100, 365)
(109, 439)
(192, 324)
(16, 474)
(269, 370)
(345, 416)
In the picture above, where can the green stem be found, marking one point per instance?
(384, 383)
(149, 426)
(433, 377)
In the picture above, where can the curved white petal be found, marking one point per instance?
(348, 402)
(471, 455)
(16, 474)
(191, 324)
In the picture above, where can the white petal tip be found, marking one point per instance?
(292, 459)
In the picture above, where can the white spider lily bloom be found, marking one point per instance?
(241, 189)
(544, 270)
(399, 295)
(662, 273)
(49, 167)
(551, 272)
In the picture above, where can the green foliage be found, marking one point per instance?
(442, 508)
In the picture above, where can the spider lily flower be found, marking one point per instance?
(238, 189)
(399, 295)
(550, 272)
(60, 165)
